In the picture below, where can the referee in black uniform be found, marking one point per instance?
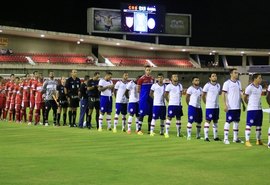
(72, 87)
(62, 101)
(93, 98)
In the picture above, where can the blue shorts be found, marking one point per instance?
(233, 115)
(121, 108)
(194, 114)
(159, 112)
(254, 118)
(175, 111)
(105, 104)
(212, 114)
(133, 108)
(145, 106)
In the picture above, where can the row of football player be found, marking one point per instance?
(18, 94)
(231, 95)
(151, 101)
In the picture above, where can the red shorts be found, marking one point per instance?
(39, 105)
(25, 104)
(2, 103)
(18, 106)
(32, 102)
(11, 106)
(7, 104)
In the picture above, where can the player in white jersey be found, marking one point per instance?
(193, 99)
(252, 97)
(106, 87)
(268, 101)
(159, 108)
(133, 103)
(173, 95)
(232, 92)
(121, 101)
(210, 97)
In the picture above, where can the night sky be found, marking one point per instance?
(217, 23)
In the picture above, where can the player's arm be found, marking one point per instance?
(166, 95)
(243, 102)
(90, 87)
(224, 98)
(138, 89)
(101, 88)
(245, 97)
(151, 94)
(115, 92)
(204, 97)
(44, 87)
(187, 98)
(268, 97)
(80, 92)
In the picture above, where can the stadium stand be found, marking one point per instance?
(46, 58)
(141, 61)
(12, 59)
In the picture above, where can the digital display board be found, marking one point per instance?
(142, 18)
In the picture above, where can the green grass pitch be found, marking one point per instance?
(62, 155)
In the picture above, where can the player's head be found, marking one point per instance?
(51, 74)
(125, 75)
(96, 75)
(234, 74)
(108, 75)
(160, 78)
(213, 77)
(195, 81)
(74, 73)
(257, 78)
(147, 70)
(27, 76)
(174, 77)
(35, 74)
(17, 80)
(12, 77)
(86, 78)
(63, 80)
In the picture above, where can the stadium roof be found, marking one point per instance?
(33, 33)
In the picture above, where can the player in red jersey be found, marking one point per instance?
(33, 83)
(18, 101)
(15, 89)
(25, 85)
(9, 92)
(2, 96)
(38, 99)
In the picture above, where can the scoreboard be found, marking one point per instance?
(139, 18)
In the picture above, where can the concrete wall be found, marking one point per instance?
(43, 45)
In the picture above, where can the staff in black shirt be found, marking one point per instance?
(62, 101)
(93, 98)
(72, 87)
(84, 101)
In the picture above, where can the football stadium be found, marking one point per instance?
(119, 105)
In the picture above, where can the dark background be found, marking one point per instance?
(216, 23)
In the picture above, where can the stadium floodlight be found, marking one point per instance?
(118, 44)
(242, 52)
(81, 40)
(151, 48)
(42, 35)
(184, 50)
